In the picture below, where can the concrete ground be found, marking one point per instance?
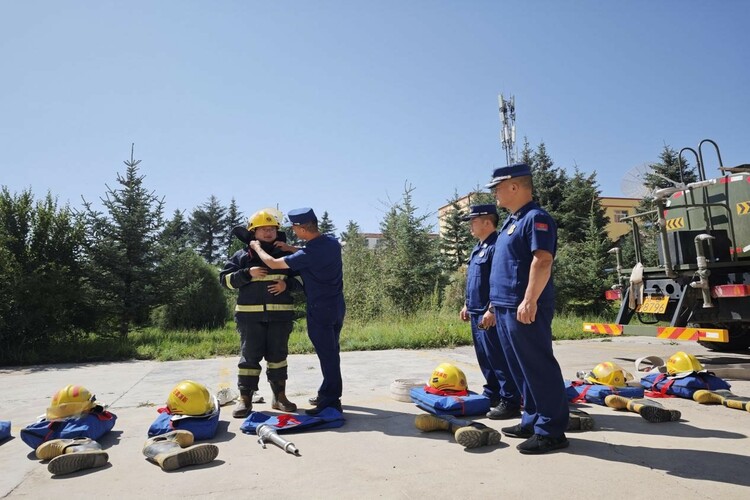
(379, 453)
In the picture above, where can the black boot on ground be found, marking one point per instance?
(280, 402)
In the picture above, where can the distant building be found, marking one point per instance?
(372, 239)
(464, 202)
(616, 209)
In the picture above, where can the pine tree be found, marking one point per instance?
(549, 181)
(455, 238)
(233, 218)
(123, 250)
(581, 201)
(408, 257)
(176, 233)
(208, 230)
(669, 166)
(326, 225)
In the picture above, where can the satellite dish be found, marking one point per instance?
(633, 183)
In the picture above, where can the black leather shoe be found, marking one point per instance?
(538, 444)
(518, 431)
(316, 411)
(503, 411)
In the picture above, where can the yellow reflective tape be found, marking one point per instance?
(271, 365)
(270, 277)
(228, 280)
(248, 309)
(743, 208)
(280, 307)
(251, 372)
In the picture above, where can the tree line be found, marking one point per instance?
(68, 273)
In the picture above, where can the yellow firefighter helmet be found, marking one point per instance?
(609, 373)
(69, 401)
(447, 377)
(190, 398)
(264, 217)
(682, 362)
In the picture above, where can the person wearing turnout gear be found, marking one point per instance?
(522, 298)
(264, 312)
(319, 264)
(504, 396)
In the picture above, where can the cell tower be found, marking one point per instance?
(508, 132)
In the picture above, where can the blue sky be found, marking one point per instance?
(339, 104)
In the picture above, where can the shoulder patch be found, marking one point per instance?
(541, 226)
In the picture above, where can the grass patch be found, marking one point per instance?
(423, 330)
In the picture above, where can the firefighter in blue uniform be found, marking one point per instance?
(505, 399)
(319, 264)
(264, 312)
(522, 298)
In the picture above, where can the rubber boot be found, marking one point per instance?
(175, 450)
(722, 397)
(650, 411)
(244, 406)
(280, 402)
(71, 455)
(467, 433)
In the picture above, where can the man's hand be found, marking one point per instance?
(464, 314)
(257, 271)
(488, 320)
(285, 247)
(255, 245)
(526, 312)
(277, 288)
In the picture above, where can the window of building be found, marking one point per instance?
(620, 214)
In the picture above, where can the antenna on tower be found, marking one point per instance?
(508, 132)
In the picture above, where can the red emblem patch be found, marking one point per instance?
(541, 226)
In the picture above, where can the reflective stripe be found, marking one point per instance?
(228, 281)
(270, 277)
(250, 372)
(299, 279)
(280, 364)
(259, 308)
(248, 309)
(280, 307)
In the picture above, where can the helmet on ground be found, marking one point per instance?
(264, 217)
(682, 362)
(70, 400)
(609, 373)
(447, 377)
(190, 398)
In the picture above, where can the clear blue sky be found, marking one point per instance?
(338, 104)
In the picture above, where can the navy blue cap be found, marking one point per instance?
(301, 216)
(504, 173)
(477, 210)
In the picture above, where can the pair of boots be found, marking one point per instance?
(175, 450)
(650, 411)
(466, 433)
(71, 455)
(280, 401)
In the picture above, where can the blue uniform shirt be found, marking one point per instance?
(524, 232)
(319, 264)
(478, 275)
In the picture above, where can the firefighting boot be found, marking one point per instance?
(467, 433)
(244, 406)
(280, 402)
(71, 455)
(175, 450)
(650, 411)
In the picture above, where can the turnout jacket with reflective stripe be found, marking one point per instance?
(254, 299)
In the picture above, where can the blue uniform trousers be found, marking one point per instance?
(491, 359)
(324, 322)
(528, 351)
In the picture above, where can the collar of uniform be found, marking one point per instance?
(489, 240)
(522, 211)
